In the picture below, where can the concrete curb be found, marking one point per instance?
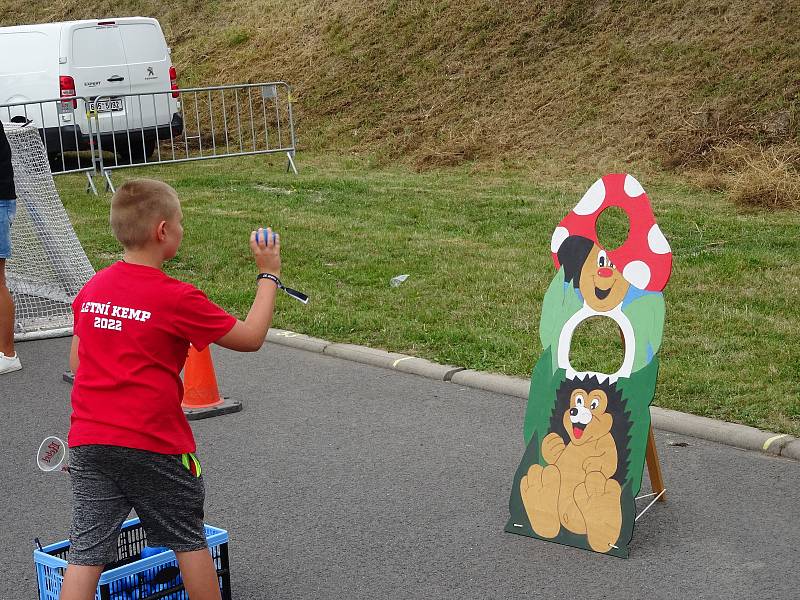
(296, 340)
(731, 434)
(362, 354)
(791, 450)
(491, 382)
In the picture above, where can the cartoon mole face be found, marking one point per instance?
(586, 419)
(601, 284)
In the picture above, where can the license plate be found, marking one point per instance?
(109, 105)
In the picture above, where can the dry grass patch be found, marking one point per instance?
(769, 180)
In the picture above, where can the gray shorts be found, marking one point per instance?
(109, 481)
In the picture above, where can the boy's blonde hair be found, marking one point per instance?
(139, 205)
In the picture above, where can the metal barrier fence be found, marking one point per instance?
(194, 124)
(64, 127)
(135, 130)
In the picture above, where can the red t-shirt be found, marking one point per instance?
(135, 324)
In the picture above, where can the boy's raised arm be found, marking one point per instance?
(249, 335)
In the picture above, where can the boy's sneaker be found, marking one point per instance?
(9, 363)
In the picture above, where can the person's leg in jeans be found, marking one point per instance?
(6, 314)
(9, 361)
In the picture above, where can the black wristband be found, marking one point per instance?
(293, 293)
(271, 277)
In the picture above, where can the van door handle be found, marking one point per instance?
(115, 78)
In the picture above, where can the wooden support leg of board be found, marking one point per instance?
(653, 466)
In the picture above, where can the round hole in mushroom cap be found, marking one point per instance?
(612, 228)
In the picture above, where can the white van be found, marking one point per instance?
(116, 64)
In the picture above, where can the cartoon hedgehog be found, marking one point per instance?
(587, 461)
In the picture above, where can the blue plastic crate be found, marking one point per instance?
(132, 577)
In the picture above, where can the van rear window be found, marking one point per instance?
(97, 47)
(143, 43)
(22, 53)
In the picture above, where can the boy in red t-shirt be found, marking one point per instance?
(130, 444)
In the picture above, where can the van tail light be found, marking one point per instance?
(173, 81)
(67, 86)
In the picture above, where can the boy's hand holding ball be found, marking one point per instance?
(266, 248)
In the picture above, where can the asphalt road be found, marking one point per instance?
(342, 480)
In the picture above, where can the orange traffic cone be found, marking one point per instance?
(201, 396)
(199, 381)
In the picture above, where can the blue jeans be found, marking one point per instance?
(8, 208)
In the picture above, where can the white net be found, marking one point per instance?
(48, 265)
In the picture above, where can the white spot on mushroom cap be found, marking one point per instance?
(657, 242)
(592, 199)
(637, 273)
(559, 235)
(632, 187)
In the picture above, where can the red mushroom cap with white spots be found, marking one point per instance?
(645, 258)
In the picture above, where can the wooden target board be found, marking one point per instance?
(586, 433)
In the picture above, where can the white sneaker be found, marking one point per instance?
(9, 363)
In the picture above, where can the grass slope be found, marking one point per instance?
(570, 85)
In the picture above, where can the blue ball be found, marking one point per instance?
(258, 236)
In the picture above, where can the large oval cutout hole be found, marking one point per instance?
(612, 228)
(597, 346)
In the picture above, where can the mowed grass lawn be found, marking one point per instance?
(476, 249)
